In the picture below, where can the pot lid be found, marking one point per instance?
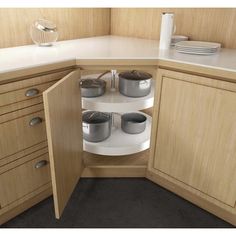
(95, 117)
(92, 83)
(135, 75)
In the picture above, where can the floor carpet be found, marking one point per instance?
(118, 203)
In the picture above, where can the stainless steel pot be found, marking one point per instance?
(96, 126)
(92, 87)
(133, 123)
(135, 83)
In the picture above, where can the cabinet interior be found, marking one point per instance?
(132, 161)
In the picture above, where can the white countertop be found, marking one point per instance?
(107, 47)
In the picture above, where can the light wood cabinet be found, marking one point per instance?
(26, 92)
(194, 140)
(22, 129)
(25, 177)
(63, 115)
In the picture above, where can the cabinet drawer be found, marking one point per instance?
(22, 129)
(23, 180)
(26, 92)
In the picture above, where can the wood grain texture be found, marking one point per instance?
(27, 83)
(25, 203)
(22, 180)
(94, 160)
(72, 23)
(12, 95)
(206, 202)
(196, 132)
(115, 171)
(23, 154)
(16, 132)
(20, 161)
(207, 24)
(63, 115)
(17, 75)
(218, 74)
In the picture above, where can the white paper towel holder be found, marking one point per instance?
(167, 29)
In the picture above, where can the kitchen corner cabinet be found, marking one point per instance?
(192, 144)
(63, 114)
(194, 140)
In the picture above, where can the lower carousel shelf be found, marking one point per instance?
(121, 143)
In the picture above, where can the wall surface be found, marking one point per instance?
(217, 25)
(72, 23)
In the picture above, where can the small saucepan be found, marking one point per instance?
(96, 126)
(133, 123)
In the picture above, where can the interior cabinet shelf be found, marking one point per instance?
(121, 143)
(114, 101)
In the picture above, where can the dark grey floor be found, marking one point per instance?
(115, 203)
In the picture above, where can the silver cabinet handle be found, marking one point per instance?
(40, 164)
(31, 92)
(35, 121)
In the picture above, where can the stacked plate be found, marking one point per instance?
(197, 47)
(178, 38)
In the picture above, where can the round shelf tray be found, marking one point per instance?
(113, 101)
(121, 143)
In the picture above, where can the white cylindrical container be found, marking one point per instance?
(167, 23)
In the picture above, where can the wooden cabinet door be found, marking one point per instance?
(194, 138)
(64, 132)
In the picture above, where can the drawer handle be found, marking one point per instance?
(35, 121)
(31, 92)
(40, 164)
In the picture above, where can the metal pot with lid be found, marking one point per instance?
(135, 83)
(92, 87)
(96, 126)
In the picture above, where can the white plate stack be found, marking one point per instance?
(197, 47)
(178, 38)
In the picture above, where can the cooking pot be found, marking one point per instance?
(92, 87)
(96, 126)
(133, 123)
(135, 83)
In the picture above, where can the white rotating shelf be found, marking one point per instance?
(113, 101)
(121, 143)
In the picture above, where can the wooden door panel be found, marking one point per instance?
(64, 132)
(196, 137)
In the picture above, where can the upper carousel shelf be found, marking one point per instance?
(113, 101)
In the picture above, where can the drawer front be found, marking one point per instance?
(24, 179)
(23, 94)
(25, 130)
(17, 95)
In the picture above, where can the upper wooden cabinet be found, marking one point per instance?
(194, 138)
(63, 115)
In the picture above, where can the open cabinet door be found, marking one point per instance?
(63, 115)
